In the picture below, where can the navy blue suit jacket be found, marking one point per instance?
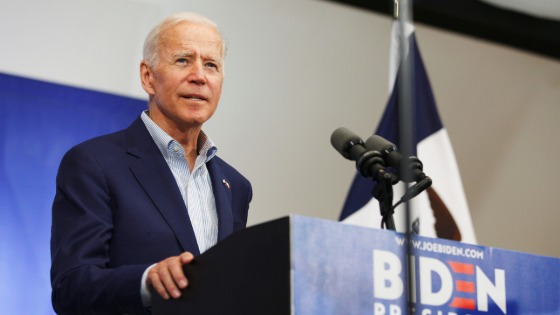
(117, 210)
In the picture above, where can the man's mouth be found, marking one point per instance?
(195, 97)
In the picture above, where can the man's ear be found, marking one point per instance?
(146, 78)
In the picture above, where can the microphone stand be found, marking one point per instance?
(370, 164)
(383, 192)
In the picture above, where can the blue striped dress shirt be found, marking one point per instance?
(195, 187)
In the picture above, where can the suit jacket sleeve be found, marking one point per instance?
(83, 281)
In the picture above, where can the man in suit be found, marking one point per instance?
(132, 207)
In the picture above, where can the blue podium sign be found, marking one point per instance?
(342, 269)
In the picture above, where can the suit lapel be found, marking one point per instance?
(153, 174)
(222, 194)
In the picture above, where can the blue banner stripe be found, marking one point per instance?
(40, 121)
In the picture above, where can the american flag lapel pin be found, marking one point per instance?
(225, 182)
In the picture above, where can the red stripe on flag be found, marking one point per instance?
(464, 286)
(468, 304)
(458, 267)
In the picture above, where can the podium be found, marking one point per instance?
(299, 265)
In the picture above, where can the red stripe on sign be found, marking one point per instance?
(464, 286)
(458, 267)
(468, 304)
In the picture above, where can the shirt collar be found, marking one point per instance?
(206, 147)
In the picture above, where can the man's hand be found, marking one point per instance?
(167, 277)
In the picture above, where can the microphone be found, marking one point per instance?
(347, 143)
(394, 158)
(368, 162)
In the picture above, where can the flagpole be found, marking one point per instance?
(403, 14)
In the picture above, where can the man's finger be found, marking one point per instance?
(186, 257)
(166, 277)
(154, 280)
(176, 270)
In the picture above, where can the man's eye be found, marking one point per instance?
(182, 60)
(212, 65)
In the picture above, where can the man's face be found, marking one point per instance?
(186, 84)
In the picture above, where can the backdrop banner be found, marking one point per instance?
(40, 121)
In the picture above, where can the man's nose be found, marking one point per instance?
(196, 73)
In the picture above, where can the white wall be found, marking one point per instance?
(297, 70)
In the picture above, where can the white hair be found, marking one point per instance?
(151, 42)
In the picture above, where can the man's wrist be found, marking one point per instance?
(145, 292)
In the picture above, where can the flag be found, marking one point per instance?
(440, 211)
